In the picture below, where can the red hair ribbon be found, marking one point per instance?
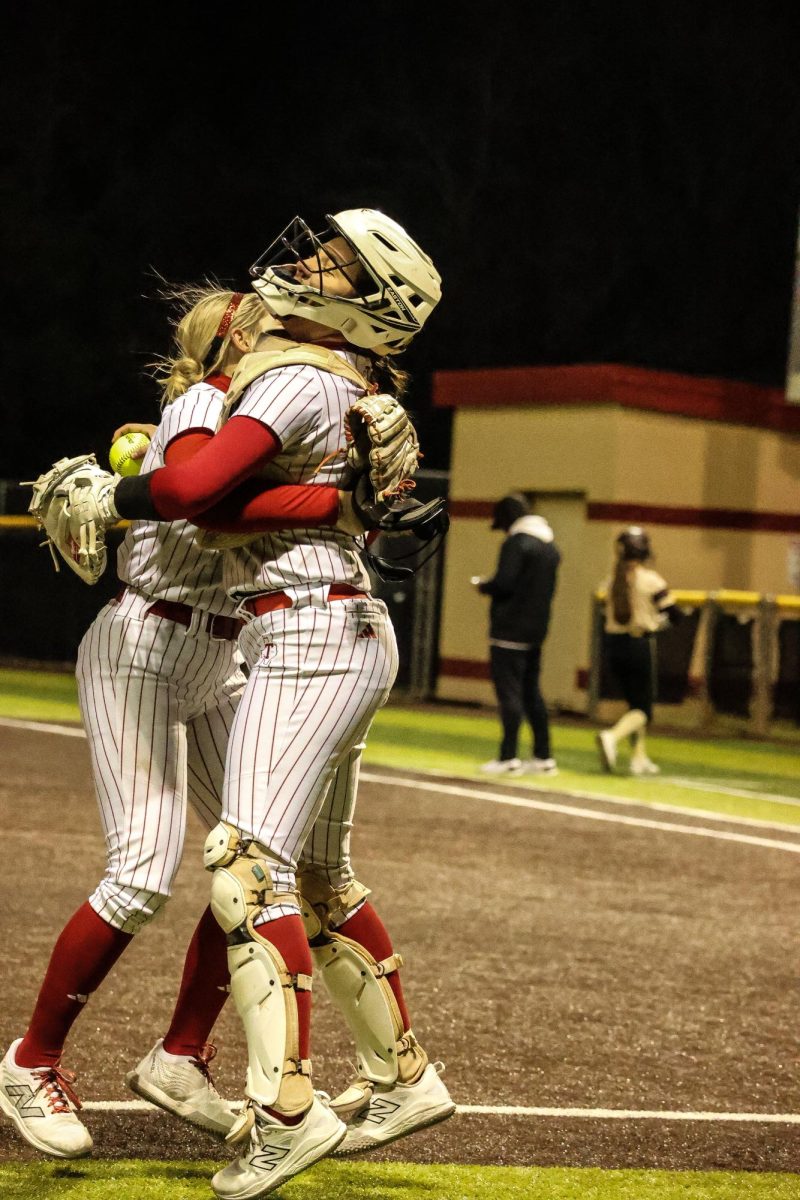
(227, 316)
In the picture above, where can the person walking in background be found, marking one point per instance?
(522, 590)
(638, 603)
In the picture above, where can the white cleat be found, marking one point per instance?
(398, 1110)
(183, 1086)
(502, 766)
(540, 766)
(644, 766)
(607, 749)
(277, 1152)
(41, 1103)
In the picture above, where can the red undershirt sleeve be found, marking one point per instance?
(251, 506)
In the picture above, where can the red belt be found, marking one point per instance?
(272, 601)
(225, 628)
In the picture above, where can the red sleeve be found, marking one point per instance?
(253, 506)
(183, 489)
(185, 445)
(252, 509)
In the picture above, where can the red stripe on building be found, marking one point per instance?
(464, 668)
(697, 518)
(630, 513)
(614, 383)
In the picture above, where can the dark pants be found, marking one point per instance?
(632, 660)
(515, 675)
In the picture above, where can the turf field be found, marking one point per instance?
(661, 980)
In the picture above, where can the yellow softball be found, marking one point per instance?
(120, 455)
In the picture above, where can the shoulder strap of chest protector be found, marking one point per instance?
(279, 352)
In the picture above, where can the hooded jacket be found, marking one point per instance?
(524, 583)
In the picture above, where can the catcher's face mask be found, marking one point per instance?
(303, 263)
(395, 284)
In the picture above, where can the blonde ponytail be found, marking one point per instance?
(205, 316)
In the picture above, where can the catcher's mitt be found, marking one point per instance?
(382, 442)
(72, 505)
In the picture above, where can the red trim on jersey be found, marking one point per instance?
(220, 382)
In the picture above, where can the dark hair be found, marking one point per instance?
(621, 592)
(510, 509)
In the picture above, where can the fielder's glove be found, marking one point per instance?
(382, 442)
(73, 505)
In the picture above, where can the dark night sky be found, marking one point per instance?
(619, 183)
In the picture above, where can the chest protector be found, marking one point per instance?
(277, 352)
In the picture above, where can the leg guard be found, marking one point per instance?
(262, 988)
(357, 983)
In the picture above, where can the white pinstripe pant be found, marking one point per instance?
(318, 675)
(158, 703)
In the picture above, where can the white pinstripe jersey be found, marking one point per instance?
(162, 560)
(305, 408)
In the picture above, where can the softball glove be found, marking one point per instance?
(73, 505)
(382, 442)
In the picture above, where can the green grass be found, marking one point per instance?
(38, 696)
(437, 739)
(441, 740)
(139, 1180)
(457, 743)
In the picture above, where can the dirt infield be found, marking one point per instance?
(552, 961)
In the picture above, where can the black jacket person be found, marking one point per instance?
(522, 590)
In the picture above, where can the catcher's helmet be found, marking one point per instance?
(404, 286)
(634, 544)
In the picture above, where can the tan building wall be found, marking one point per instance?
(595, 468)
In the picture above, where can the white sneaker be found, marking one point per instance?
(607, 749)
(644, 766)
(41, 1103)
(277, 1152)
(398, 1110)
(540, 766)
(184, 1087)
(503, 766)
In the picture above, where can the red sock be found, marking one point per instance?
(366, 928)
(82, 957)
(203, 990)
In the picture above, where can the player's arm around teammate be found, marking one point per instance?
(322, 659)
(158, 683)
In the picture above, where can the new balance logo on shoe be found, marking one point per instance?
(22, 1097)
(381, 1109)
(268, 1157)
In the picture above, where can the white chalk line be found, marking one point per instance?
(539, 805)
(587, 814)
(746, 793)
(44, 727)
(515, 1110)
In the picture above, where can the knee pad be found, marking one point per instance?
(262, 988)
(356, 982)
